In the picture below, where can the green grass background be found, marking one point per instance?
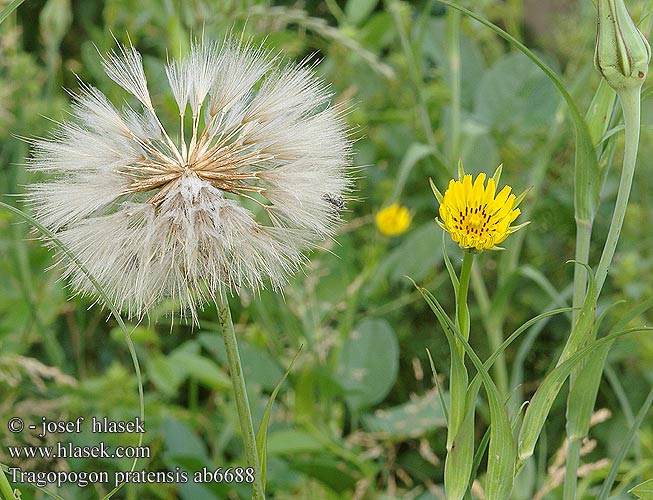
(357, 417)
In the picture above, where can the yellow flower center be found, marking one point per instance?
(472, 214)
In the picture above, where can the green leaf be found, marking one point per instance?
(331, 471)
(514, 95)
(412, 419)
(201, 369)
(582, 330)
(460, 459)
(582, 396)
(625, 446)
(457, 391)
(500, 472)
(292, 441)
(358, 10)
(600, 111)
(164, 374)
(443, 403)
(369, 363)
(4, 14)
(643, 490)
(261, 434)
(540, 405)
(419, 243)
(181, 441)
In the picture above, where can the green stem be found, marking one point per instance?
(5, 487)
(583, 241)
(630, 104)
(242, 403)
(462, 311)
(571, 470)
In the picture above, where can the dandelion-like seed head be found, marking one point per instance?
(253, 176)
(476, 217)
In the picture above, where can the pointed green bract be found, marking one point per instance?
(436, 192)
(497, 175)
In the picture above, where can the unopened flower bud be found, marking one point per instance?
(622, 53)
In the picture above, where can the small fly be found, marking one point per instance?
(336, 201)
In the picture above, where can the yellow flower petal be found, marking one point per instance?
(476, 216)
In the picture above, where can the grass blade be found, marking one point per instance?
(262, 433)
(6, 12)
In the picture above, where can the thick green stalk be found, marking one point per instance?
(462, 311)
(583, 240)
(242, 402)
(630, 104)
(571, 469)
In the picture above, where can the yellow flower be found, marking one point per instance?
(474, 216)
(393, 220)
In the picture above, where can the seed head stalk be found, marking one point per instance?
(240, 392)
(630, 104)
(622, 56)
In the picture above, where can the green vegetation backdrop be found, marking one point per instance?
(358, 416)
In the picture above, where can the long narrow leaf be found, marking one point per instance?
(443, 403)
(500, 471)
(609, 481)
(4, 14)
(262, 433)
(540, 405)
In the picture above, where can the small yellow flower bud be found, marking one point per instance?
(622, 53)
(393, 220)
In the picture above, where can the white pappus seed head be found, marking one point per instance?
(253, 175)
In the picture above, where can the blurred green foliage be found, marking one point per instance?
(357, 417)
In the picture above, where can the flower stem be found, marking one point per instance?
(583, 240)
(630, 104)
(242, 403)
(462, 311)
(571, 469)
